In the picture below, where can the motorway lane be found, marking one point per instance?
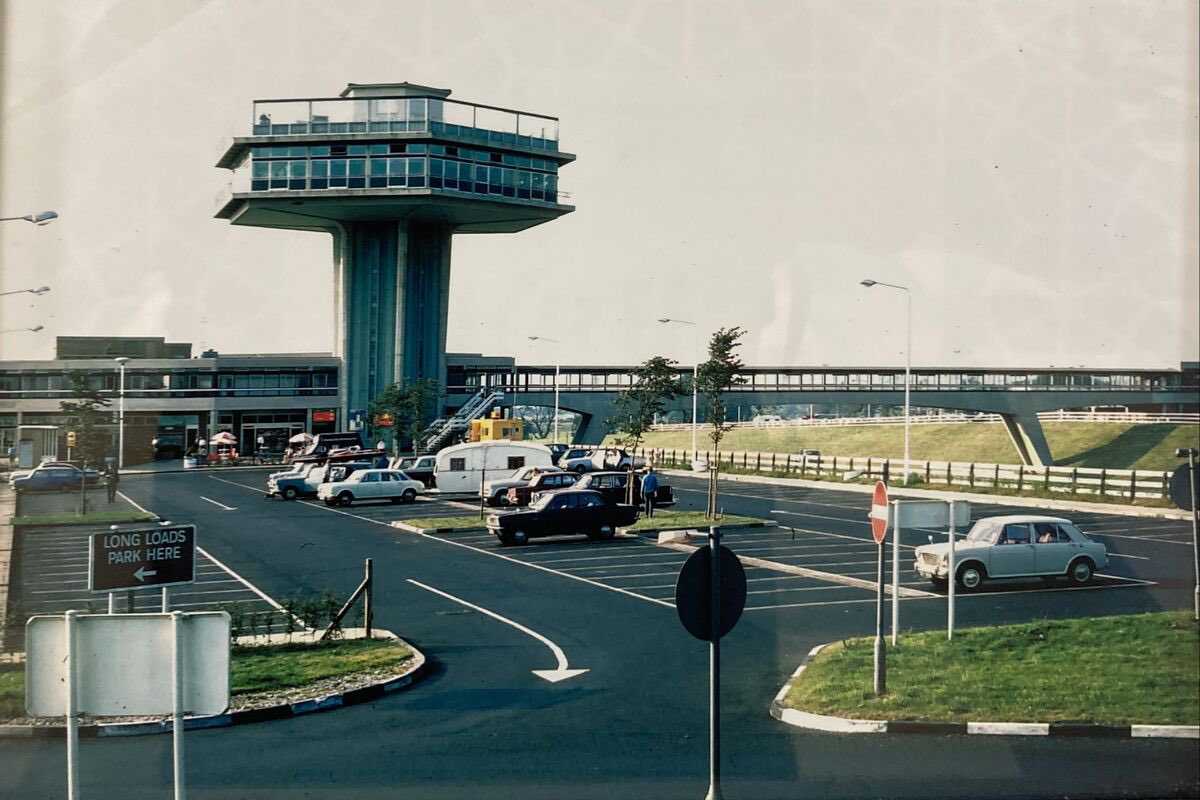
(482, 725)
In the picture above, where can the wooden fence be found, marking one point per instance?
(1119, 483)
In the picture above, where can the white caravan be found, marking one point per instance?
(462, 468)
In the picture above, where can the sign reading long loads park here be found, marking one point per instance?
(133, 559)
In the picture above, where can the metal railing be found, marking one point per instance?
(441, 430)
(1129, 417)
(432, 115)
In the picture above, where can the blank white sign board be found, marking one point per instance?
(124, 664)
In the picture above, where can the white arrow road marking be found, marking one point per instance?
(215, 503)
(143, 573)
(561, 673)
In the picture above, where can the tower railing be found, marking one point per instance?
(432, 115)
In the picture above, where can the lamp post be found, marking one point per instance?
(695, 376)
(556, 370)
(121, 360)
(40, 218)
(39, 291)
(907, 364)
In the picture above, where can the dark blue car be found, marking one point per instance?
(49, 479)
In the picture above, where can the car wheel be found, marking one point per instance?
(502, 500)
(409, 496)
(580, 469)
(1081, 571)
(605, 531)
(940, 583)
(345, 499)
(329, 501)
(290, 493)
(519, 537)
(971, 576)
(504, 537)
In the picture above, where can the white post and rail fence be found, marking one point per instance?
(1123, 484)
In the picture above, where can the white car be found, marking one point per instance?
(371, 484)
(1014, 547)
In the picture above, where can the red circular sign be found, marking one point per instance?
(879, 513)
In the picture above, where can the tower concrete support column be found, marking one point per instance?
(1027, 436)
(392, 299)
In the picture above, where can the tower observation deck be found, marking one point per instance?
(392, 172)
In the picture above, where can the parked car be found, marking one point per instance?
(306, 482)
(371, 484)
(1014, 547)
(542, 482)
(603, 458)
(56, 478)
(419, 468)
(556, 451)
(12, 476)
(495, 492)
(612, 486)
(570, 511)
(577, 459)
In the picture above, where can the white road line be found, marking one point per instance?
(555, 675)
(240, 579)
(215, 503)
(1122, 555)
(814, 603)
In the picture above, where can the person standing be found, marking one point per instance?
(111, 479)
(649, 488)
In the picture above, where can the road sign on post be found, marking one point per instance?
(879, 526)
(710, 594)
(135, 559)
(879, 512)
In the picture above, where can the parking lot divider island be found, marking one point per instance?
(1141, 669)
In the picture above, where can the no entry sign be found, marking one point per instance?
(879, 513)
(135, 559)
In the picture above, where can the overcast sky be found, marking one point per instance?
(1028, 169)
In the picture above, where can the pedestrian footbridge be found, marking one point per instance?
(1017, 395)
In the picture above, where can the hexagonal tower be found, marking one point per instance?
(392, 171)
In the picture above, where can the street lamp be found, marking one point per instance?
(695, 376)
(121, 360)
(34, 329)
(39, 291)
(40, 218)
(555, 341)
(907, 365)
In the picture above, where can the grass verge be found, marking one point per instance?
(425, 523)
(689, 519)
(261, 669)
(1136, 669)
(84, 519)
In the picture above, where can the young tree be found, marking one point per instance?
(654, 383)
(86, 412)
(713, 378)
(407, 407)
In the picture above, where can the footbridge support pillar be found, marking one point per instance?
(1027, 436)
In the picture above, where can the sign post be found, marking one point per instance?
(710, 594)
(951, 579)
(879, 526)
(1186, 498)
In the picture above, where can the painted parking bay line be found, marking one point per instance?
(560, 673)
(215, 503)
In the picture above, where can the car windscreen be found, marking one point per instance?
(984, 531)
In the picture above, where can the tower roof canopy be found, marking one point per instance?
(404, 89)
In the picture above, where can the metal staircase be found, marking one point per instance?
(442, 430)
